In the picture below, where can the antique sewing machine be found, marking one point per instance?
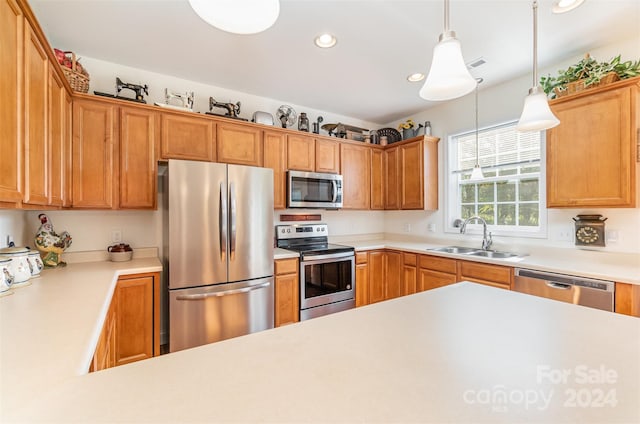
(233, 110)
(138, 89)
(185, 99)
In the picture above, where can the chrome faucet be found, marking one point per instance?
(486, 237)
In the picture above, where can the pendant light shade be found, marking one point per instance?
(448, 77)
(536, 114)
(238, 16)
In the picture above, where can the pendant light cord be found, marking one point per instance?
(446, 16)
(535, 43)
(479, 80)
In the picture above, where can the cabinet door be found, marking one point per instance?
(429, 279)
(11, 101)
(301, 153)
(275, 157)
(391, 196)
(134, 326)
(411, 175)
(67, 195)
(187, 137)
(376, 276)
(57, 138)
(377, 179)
(362, 279)
(409, 273)
(138, 165)
(628, 299)
(491, 275)
(355, 163)
(94, 149)
(287, 292)
(36, 87)
(239, 144)
(430, 174)
(393, 268)
(591, 154)
(328, 156)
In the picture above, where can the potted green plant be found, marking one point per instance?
(587, 73)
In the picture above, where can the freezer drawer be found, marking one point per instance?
(209, 314)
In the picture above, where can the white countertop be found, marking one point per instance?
(279, 253)
(49, 329)
(436, 356)
(619, 267)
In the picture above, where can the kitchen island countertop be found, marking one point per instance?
(461, 353)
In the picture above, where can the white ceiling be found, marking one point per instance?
(364, 76)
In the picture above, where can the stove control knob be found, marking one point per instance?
(288, 230)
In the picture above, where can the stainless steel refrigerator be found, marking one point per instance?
(219, 241)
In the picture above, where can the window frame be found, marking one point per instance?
(451, 191)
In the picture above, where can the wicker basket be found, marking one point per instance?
(78, 81)
(578, 86)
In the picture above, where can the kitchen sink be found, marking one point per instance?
(455, 249)
(471, 251)
(494, 254)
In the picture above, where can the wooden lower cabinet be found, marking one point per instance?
(362, 279)
(377, 277)
(393, 270)
(287, 292)
(627, 300)
(131, 331)
(435, 271)
(491, 275)
(409, 273)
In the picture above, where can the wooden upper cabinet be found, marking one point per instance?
(301, 153)
(11, 101)
(36, 148)
(591, 155)
(67, 199)
(275, 157)
(239, 144)
(411, 167)
(138, 164)
(58, 143)
(94, 151)
(392, 177)
(355, 164)
(327, 156)
(187, 137)
(378, 180)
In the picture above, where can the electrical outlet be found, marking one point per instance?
(116, 235)
(431, 228)
(611, 236)
(565, 234)
(406, 227)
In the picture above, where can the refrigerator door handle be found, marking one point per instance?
(223, 221)
(334, 186)
(232, 201)
(223, 293)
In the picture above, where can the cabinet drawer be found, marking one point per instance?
(485, 273)
(410, 259)
(437, 263)
(361, 258)
(286, 266)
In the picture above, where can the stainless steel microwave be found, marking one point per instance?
(314, 190)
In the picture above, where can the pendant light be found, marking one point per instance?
(477, 174)
(536, 115)
(238, 16)
(448, 77)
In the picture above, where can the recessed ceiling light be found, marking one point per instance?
(562, 6)
(415, 77)
(325, 41)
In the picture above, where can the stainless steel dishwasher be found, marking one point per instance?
(589, 292)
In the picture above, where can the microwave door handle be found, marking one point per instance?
(335, 191)
(223, 222)
(232, 207)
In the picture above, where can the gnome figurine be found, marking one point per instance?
(50, 244)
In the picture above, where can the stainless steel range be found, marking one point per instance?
(327, 271)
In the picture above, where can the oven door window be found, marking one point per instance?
(311, 190)
(323, 279)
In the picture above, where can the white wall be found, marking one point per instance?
(12, 223)
(499, 104)
(103, 79)
(342, 223)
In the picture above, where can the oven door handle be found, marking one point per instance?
(334, 190)
(329, 257)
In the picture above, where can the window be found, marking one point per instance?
(511, 195)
